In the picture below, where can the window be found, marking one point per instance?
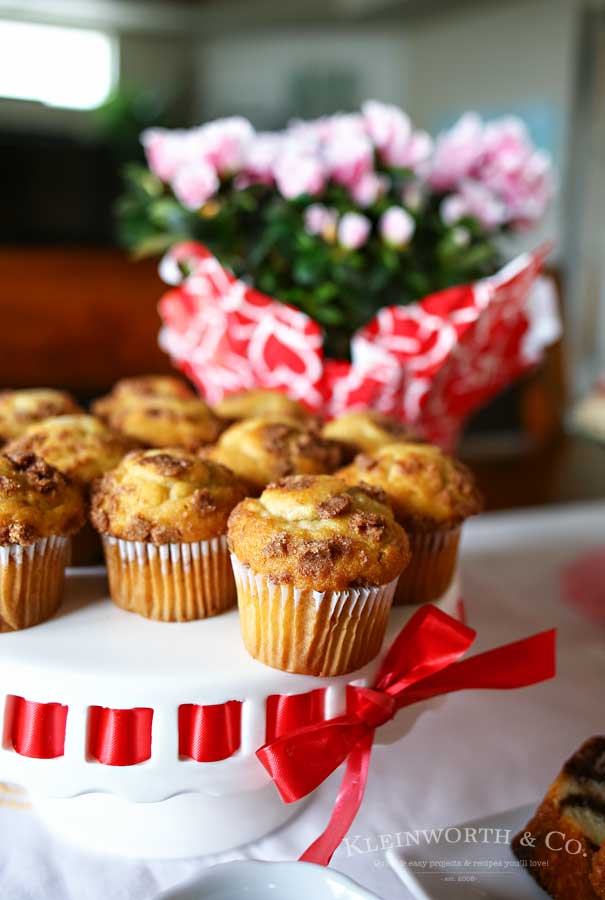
(68, 67)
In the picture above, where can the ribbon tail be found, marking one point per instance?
(347, 804)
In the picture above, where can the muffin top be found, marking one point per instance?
(260, 402)
(36, 500)
(19, 409)
(366, 430)
(314, 531)
(165, 496)
(165, 421)
(141, 386)
(264, 449)
(427, 489)
(80, 446)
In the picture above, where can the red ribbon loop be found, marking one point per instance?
(423, 662)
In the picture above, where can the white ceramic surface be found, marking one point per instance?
(252, 880)
(463, 870)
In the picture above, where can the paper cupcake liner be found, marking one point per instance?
(31, 581)
(310, 632)
(431, 568)
(170, 582)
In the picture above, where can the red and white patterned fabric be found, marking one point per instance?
(430, 363)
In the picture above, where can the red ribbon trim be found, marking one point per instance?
(119, 737)
(210, 733)
(35, 729)
(423, 662)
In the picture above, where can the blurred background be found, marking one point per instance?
(79, 80)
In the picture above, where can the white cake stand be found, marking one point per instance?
(94, 654)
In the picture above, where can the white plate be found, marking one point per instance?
(459, 869)
(253, 880)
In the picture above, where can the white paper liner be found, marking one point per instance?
(338, 632)
(31, 581)
(170, 582)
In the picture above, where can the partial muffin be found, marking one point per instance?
(431, 494)
(83, 449)
(141, 386)
(316, 563)
(165, 421)
(162, 515)
(264, 449)
(39, 511)
(563, 845)
(366, 430)
(20, 409)
(261, 402)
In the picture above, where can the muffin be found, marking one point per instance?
(261, 402)
(316, 563)
(366, 430)
(431, 495)
(264, 449)
(164, 421)
(162, 515)
(83, 449)
(141, 386)
(39, 510)
(19, 409)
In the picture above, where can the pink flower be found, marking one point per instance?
(413, 194)
(518, 174)
(391, 132)
(353, 230)
(456, 153)
(298, 174)
(368, 188)
(453, 208)
(260, 155)
(396, 226)
(477, 200)
(165, 150)
(319, 219)
(348, 155)
(223, 143)
(195, 183)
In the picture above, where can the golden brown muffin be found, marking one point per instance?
(315, 563)
(163, 517)
(165, 496)
(165, 421)
(141, 386)
(261, 402)
(39, 508)
(36, 501)
(83, 448)
(79, 446)
(264, 449)
(19, 409)
(563, 845)
(366, 430)
(431, 495)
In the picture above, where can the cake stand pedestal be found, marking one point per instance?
(93, 657)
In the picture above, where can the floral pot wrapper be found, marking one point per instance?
(431, 568)
(310, 632)
(170, 582)
(429, 364)
(31, 581)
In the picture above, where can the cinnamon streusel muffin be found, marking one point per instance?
(39, 510)
(162, 515)
(165, 421)
(19, 409)
(261, 402)
(366, 430)
(263, 449)
(141, 386)
(316, 562)
(83, 448)
(431, 495)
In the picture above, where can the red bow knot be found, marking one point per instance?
(423, 662)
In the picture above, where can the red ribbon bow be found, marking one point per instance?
(423, 662)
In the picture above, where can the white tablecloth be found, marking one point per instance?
(480, 753)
